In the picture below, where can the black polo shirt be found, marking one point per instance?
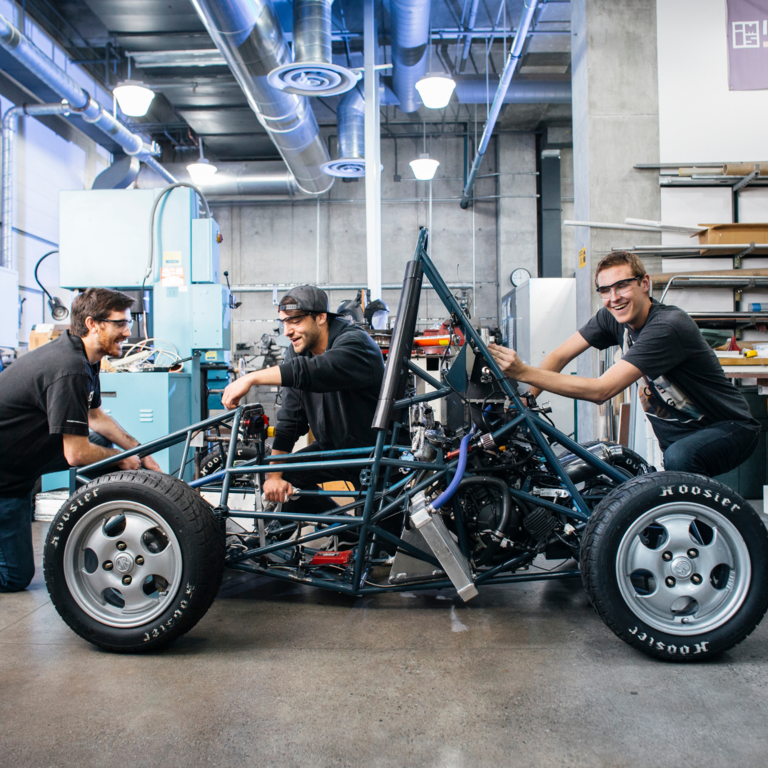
(45, 394)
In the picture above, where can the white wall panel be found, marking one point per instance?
(700, 120)
(753, 205)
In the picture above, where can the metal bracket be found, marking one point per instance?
(739, 256)
(366, 476)
(747, 179)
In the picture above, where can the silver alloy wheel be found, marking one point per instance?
(95, 568)
(686, 598)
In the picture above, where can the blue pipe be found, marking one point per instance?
(460, 467)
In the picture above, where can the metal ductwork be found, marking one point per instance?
(312, 72)
(410, 37)
(248, 35)
(263, 180)
(351, 121)
(474, 90)
(515, 52)
(80, 101)
(10, 119)
(468, 38)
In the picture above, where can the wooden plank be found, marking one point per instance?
(624, 411)
(724, 361)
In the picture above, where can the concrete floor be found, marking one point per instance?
(275, 675)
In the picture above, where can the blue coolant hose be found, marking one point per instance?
(460, 467)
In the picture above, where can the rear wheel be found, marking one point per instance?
(133, 560)
(676, 564)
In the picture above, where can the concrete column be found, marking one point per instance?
(518, 236)
(615, 126)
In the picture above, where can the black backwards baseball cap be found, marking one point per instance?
(307, 298)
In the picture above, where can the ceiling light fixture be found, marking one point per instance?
(133, 98)
(435, 90)
(202, 170)
(424, 168)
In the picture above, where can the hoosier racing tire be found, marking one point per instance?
(676, 564)
(133, 560)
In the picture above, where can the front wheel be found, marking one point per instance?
(133, 560)
(676, 565)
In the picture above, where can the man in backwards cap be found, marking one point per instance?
(331, 379)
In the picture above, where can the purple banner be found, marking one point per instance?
(747, 44)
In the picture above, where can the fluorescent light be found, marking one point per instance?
(201, 171)
(424, 168)
(134, 98)
(209, 57)
(435, 90)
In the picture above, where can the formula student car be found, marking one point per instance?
(675, 564)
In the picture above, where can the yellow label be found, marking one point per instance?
(210, 355)
(171, 258)
(583, 257)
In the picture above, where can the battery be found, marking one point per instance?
(332, 558)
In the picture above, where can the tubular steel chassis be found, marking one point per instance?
(377, 464)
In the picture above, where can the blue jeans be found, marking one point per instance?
(712, 451)
(17, 562)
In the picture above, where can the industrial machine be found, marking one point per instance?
(155, 245)
(675, 563)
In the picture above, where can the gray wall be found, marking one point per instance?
(615, 126)
(281, 242)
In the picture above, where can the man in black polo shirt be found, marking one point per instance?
(702, 421)
(49, 401)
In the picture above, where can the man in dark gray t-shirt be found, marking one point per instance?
(702, 421)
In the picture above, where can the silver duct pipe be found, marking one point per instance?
(526, 17)
(410, 37)
(24, 51)
(351, 120)
(468, 38)
(312, 72)
(473, 90)
(10, 122)
(249, 37)
(312, 30)
(265, 179)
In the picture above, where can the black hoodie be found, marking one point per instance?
(334, 393)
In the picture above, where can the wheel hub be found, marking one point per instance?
(681, 567)
(124, 562)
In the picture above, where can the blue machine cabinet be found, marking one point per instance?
(147, 406)
(104, 243)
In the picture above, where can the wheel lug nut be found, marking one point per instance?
(139, 560)
(693, 553)
(107, 565)
(696, 578)
(666, 556)
(669, 581)
(121, 545)
(126, 580)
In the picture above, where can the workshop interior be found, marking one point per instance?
(450, 174)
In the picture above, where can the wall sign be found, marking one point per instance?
(747, 35)
(583, 257)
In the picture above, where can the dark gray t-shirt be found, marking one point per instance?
(45, 394)
(683, 387)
